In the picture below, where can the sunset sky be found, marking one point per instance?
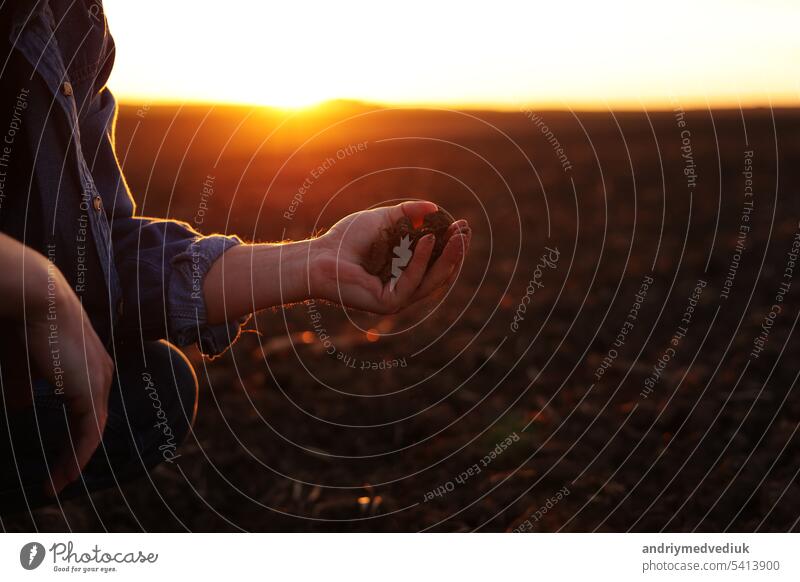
(614, 54)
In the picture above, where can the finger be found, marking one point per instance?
(452, 254)
(415, 210)
(453, 276)
(450, 261)
(454, 273)
(457, 227)
(415, 271)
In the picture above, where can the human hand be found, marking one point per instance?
(66, 351)
(336, 271)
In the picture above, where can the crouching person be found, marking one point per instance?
(66, 405)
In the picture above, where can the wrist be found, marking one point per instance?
(322, 269)
(282, 273)
(297, 268)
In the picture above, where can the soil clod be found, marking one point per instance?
(401, 239)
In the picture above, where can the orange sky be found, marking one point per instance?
(615, 54)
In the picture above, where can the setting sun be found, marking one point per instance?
(570, 54)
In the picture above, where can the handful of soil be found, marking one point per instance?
(391, 244)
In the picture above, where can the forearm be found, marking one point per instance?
(24, 280)
(248, 278)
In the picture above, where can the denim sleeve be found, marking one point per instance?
(186, 307)
(161, 266)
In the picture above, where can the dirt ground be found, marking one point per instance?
(601, 364)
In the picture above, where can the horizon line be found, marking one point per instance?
(622, 107)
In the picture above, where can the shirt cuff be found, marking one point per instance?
(188, 321)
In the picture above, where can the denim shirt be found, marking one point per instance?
(136, 276)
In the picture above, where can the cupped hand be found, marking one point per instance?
(336, 271)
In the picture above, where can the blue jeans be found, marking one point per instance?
(151, 409)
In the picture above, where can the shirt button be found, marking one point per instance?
(66, 88)
(97, 202)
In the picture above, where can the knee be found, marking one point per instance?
(177, 382)
(156, 401)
